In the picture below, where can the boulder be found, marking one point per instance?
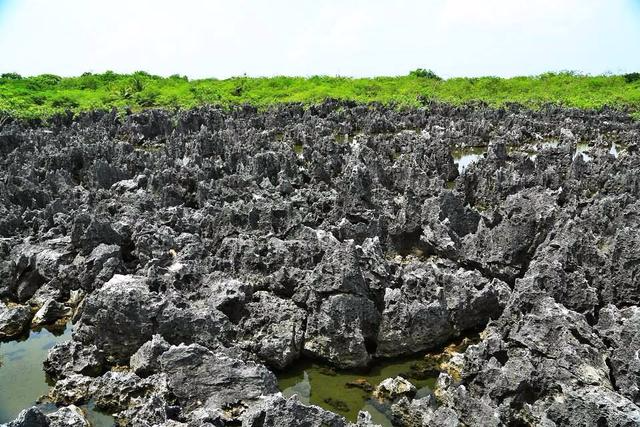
(273, 329)
(71, 357)
(394, 388)
(144, 362)
(202, 379)
(276, 411)
(68, 416)
(14, 320)
(342, 331)
(119, 317)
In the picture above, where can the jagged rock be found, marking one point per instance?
(343, 330)
(100, 266)
(31, 417)
(199, 378)
(180, 321)
(89, 232)
(114, 391)
(73, 389)
(119, 317)
(394, 388)
(68, 416)
(71, 357)
(276, 411)
(50, 312)
(620, 329)
(340, 231)
(145, 361)
(230, 296)
(422, 412)
(14, 320)
(435, 304)
(548, 365)
(147, 413)
(37, 264)
(273, 329)
(506, 245)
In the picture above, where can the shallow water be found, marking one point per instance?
(321, 385)
(614, 150)
(583, 149)
(22, 380)
(463, 157)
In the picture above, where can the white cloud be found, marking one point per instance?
(303, 37)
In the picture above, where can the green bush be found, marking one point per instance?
(43, 81)
(424, 74)
(137, 83)
(42, 96)
(147, 98)
(631, 77)
(11, 76)
(38, 99)
(64, 102)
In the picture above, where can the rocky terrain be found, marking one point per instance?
(199, 252)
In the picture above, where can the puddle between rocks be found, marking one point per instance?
(23, 381)
(463, 157)
(334, 389)
(583, 149)
(614, 150)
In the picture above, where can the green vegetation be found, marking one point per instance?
(44, 95)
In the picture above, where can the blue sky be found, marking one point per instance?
(222, 38)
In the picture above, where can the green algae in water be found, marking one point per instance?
(22, 380)
(329, 388)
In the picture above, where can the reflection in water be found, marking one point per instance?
(347, 392)
(614, 150)
(97, 418)
(582, 149)
(463, 157)
(22, 380)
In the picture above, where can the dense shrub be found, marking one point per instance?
(11, 76)
(631, 77)
(147, 98)
(425, 74)
(64, 102)
(45, 95)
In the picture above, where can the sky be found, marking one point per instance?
(224, 38)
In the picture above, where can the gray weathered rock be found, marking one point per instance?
(436, 303)
(394, 388)
(71, 357)
(342, 330)
(273, 329)
(119, 317)
(145, 361)
(68, 416)
(14, 320)
(199, 378)
(337, 231)
(50, 312)
(31, 417)
(276, 411)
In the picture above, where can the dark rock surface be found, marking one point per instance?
(198, 251)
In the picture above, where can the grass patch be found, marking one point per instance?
(45, 95)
